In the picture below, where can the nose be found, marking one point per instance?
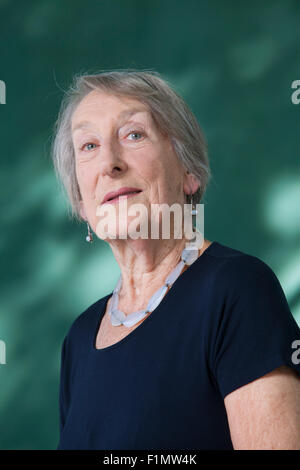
(111, 161)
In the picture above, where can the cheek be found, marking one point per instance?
(167, 167)
(153, 164)
(86, 179)
(171, 178)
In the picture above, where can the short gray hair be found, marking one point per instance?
(168, 109)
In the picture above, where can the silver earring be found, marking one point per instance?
(194, 213)
(89, 237)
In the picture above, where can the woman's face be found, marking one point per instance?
(117, 144)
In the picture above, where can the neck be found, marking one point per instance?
(144, 265)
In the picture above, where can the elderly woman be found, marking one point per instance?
(194, 349)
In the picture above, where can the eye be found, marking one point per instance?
(138, 135)
(87, 146)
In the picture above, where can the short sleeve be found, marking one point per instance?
(63, 402)
(255, 330)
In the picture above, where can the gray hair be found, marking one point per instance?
(169, 111)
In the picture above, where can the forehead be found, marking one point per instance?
(105, 105)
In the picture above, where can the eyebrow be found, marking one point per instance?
(123, 115)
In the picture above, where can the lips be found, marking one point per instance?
(114, 195)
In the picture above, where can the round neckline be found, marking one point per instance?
(146, 321)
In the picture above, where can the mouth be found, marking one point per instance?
(115, 198)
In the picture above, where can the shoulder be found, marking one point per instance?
(235, 269)
(243, 286)
(251, 329)
(247, 300)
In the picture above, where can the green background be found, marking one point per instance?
(234, 63)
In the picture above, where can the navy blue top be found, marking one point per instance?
(224, 323)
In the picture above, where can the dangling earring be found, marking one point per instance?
(89, 237)
(194, 213)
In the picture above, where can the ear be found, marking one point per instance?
(82, 211)
(190, 184)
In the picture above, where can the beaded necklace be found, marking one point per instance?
(118, 317)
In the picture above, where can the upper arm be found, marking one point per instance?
(265, 413)
(252, 331)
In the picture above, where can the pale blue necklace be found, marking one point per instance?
(117, 317)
